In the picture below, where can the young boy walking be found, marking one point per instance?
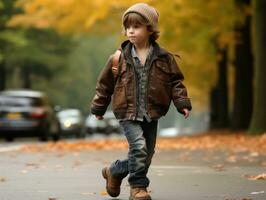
(141, 88)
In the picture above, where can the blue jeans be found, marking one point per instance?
(141, 137)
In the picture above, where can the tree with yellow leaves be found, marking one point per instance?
(196, 29)
(187, 28)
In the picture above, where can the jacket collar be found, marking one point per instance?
(126, 47)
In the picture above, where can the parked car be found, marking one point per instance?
(169, 132)
(71, 122)
(107, 126)
(27, 113)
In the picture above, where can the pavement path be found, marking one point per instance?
(174, 175)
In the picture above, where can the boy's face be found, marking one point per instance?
(137, 34)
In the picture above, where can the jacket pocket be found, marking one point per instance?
(119, 97)
(162, 71)
(160, 94)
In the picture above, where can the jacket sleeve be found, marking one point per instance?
(104, 89)
(179, 91)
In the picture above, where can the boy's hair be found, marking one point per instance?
(134, 19)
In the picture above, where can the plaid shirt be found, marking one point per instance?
(142, 81)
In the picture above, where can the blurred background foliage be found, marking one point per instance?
(187, 28)
(60, 46)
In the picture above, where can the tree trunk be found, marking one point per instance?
(26, 78)
(258, 121)
(219, 95)
(243, 95)
(2, 77)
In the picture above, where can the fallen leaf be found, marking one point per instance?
(33, 165)
(263, 164)
(77, 163)
(24, 171)
(51, 198)
(103, 193)
(256, 177)
(3, 179)
(254, 154)
(218, 167)
(231, 159)
(260, 192)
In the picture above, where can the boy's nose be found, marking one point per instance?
(130, 30)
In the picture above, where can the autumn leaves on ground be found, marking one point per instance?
(228, 141)
(235, 147)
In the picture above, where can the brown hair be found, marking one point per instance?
(134, 18)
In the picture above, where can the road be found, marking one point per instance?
(174, 175)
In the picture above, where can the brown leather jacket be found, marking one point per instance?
(164, 84)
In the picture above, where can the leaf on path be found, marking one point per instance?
(256, 177)
(263, 164)
(60, 155)
(24, 171)
(51, 198)
(103, 193)
(260, 192)
(2, 179)
(33, 165)
(184, 157)
(231, 159)
(254, 154)
(77, 163)
(218, 167)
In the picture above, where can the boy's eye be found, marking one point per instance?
(136, 26)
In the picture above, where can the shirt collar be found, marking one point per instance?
(135, 55)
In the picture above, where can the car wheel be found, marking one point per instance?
(9, 138)
(89, 132)
(81, 133)
(57, 134)
(45, 132)
(56, 137)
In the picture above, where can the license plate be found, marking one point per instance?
(14, 116)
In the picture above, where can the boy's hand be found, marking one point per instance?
(185, 112)
(99, 117)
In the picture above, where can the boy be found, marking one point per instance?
(148, 78)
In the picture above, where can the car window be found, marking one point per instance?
(19, 101)
(69, 113)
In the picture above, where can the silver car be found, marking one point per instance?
(106, 126)
(71, 122)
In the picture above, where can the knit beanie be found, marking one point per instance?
(144, 10)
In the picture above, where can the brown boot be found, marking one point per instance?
(112, 184)
(139, 194)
